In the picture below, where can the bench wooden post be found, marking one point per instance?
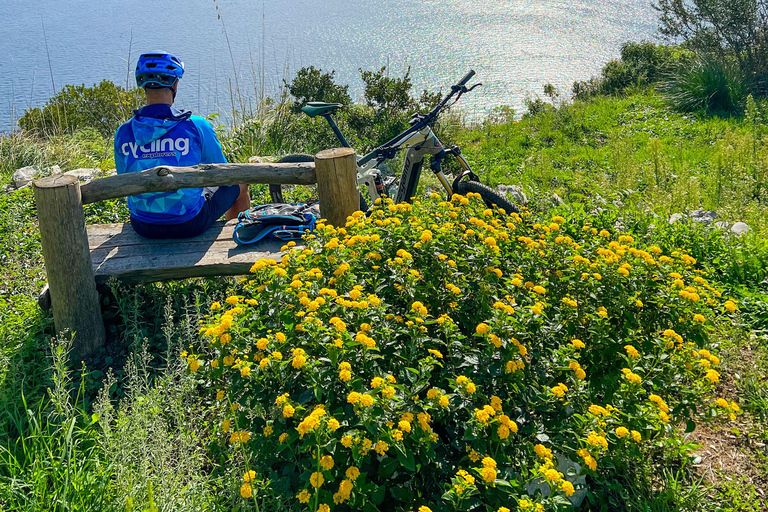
(67, 258)
(337, 184)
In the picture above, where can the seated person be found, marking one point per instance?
(159, 134)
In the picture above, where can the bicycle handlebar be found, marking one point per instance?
(427, 119)
(466, 78)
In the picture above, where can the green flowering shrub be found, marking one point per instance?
(444, 356)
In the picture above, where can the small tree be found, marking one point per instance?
(311, 84)
(723, 29)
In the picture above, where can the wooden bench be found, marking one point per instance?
(117, 251)
(77, 257)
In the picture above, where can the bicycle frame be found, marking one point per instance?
(418, 145)
(419, 141)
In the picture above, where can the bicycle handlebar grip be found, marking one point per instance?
(466, 78)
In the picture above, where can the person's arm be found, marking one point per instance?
(210, 146)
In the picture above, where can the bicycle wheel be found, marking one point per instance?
(276, 191)
(490, 196)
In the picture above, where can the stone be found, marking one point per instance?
(740, 228)
(84, 175)
(516, 191)
(50, 171)
(675, 217)
(23, 177)
(703, 216)
(262, 159)
(721, 224)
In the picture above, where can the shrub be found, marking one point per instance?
(311, 84)
(102, 107)
(640, 64)
(723, 30)
(440, 356)
(708, 85)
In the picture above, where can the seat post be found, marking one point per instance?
(336, 130)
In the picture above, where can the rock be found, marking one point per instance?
(24, 176)
(721, 224)
(740, 228)
(703, 216)
(84, 175)
(262, 159)
(516, 191)
(675, 217)
(50, 171)
(557, 200)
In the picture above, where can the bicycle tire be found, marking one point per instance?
(276, 191)
(490, 196)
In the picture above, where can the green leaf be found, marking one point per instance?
(378, 495)
(406, 460)
(388, 466)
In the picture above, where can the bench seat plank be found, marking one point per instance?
(117, 251)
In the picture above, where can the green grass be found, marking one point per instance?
(634, 144)
(626, 159)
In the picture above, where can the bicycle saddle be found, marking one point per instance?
(318, 108)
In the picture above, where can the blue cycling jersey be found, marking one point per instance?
(163, 135)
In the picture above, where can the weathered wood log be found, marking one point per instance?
(337, 184)
(167, 178)
(74, 298)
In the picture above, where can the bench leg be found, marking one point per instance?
(73, 294)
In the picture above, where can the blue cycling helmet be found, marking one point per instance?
(158, 69)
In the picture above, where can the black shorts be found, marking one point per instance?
(214, 207)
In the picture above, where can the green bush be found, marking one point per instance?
(709, 85)
(311, 84)
(641, 64)
(727, 31)
(442, 356)
(102, 107)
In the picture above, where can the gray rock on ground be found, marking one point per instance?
(262, 159)
(675, 217)
(84, 175)
(703, 216)
(740, 228)
(23, 177)
(516, 191)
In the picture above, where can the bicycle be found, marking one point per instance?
(419, 141)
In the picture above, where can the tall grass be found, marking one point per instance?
(709, 85)
(83, 148)
(56, 463)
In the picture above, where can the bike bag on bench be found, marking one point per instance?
(275, 220)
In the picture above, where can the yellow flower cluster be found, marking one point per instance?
(415, 298)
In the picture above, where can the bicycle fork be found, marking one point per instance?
(414, 160)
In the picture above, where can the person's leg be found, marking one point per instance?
(242, 203)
